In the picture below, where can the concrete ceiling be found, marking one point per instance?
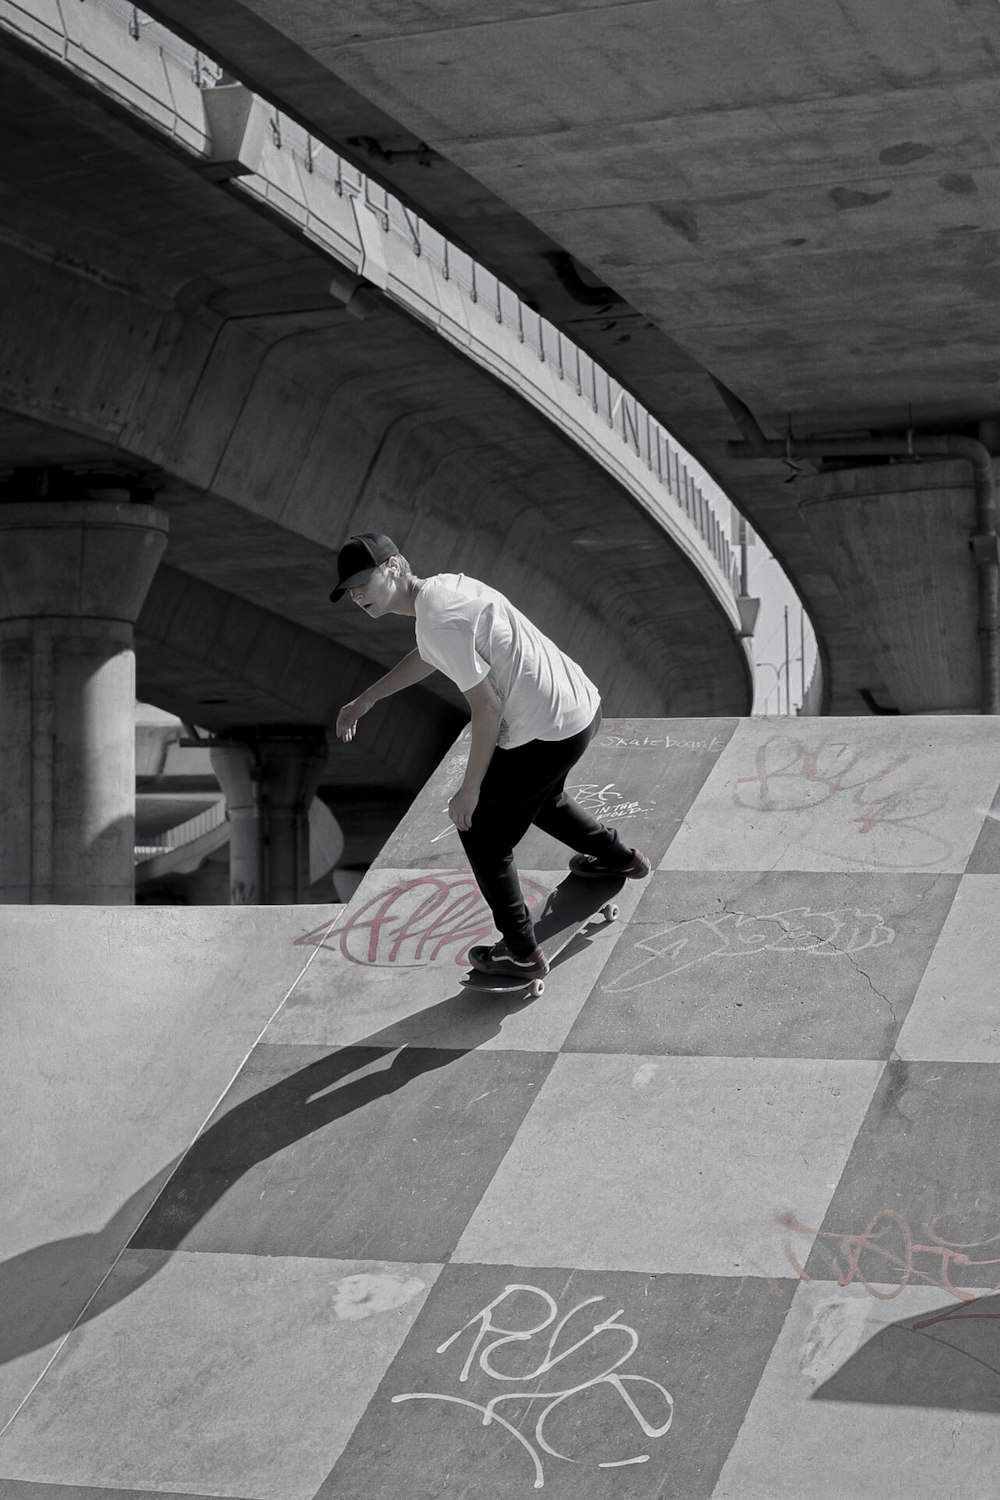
(160, 324)
(797, 197)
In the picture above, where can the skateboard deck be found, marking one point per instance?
(570, 907)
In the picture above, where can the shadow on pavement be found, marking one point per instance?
(46, 1291)
(947, 1358)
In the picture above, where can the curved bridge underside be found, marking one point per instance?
(164, 330)
(797, 200)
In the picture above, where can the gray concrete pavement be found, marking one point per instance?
(717, 1216)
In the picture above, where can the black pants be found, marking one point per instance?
(521, 787)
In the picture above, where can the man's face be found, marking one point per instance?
(375, 595)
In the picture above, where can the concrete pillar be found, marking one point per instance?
(896, 539)
(237, 766)
(269, 777)
(73, 576)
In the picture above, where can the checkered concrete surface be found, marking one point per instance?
(717, 1216)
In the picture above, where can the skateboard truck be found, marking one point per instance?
(609, 911)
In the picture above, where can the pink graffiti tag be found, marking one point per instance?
(955, 1317)
(875, 1243)
(417, 921)
(791, 775)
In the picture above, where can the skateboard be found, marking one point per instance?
(569, 908)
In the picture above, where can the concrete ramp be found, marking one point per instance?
(717, 1216)
(120, 1030)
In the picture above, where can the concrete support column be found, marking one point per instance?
(897, 539)
(237, 766)
(269, 778)
(73, 576)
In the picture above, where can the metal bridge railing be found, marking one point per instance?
(708, 512)
(712, 516)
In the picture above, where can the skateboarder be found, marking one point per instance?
(534, 712)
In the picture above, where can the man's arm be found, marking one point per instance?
(486, 716)
(403, 675)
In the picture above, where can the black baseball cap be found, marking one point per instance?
(359, 557)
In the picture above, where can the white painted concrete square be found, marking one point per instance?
(796, 1445)
(843, 794)
(955, 1016)
(416, 996)
(676, 1164)
(228, 1375)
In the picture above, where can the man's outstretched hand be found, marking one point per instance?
(347, 719)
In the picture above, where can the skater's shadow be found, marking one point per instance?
(47, 1290)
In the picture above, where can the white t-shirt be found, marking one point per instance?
(470, 631)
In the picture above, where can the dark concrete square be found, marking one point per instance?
(985, 857)
(639, 775)
(918, 1202)
(703, 1340)
(772, 964)
(364, 1153)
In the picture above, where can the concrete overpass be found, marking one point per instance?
(796, 202)
(182, 357)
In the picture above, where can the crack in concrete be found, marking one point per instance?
(893, 1055)
(726, 909)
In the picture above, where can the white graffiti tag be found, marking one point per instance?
(605, 801)
(837, 933)
(609, 1332)
(663, 742)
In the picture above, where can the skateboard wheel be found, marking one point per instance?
(610, 912)
(537, 988)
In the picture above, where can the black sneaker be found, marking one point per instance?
(500, 960)
(591, 868)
